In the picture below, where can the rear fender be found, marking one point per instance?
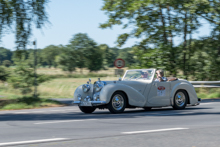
(188, 87)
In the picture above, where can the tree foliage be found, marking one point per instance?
(81, 52)
(5, 54)
(49, 53)
(19, 16)
(6, 63)
(23, 77)
(4, 74)
(157, 23)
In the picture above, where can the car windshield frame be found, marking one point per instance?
(139, 78)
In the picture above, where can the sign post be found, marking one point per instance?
(35, 68)
(119, 63)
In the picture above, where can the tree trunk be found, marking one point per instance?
(164, 26)
(190, 41)
(184, 46)
(172, 60)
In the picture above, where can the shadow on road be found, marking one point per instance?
(68, 101)
(105, 114)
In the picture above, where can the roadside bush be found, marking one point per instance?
(90, 75)
(4, 73)
(23, 79)
(6, 63)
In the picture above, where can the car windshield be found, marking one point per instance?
(145, 74)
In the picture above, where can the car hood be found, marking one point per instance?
(139, 85)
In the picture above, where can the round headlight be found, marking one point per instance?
(85, 88)
(98, 86)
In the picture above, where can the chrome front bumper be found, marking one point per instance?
(89, 103)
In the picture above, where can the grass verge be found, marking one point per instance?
(89, 75)
(65, 87)
(55, 88)
(27, 103)
(208, 93)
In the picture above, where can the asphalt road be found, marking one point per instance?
(197, 126)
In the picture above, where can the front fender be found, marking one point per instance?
(83, 94)
(135, 98)
(185, 86)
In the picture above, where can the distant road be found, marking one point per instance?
(197, 126)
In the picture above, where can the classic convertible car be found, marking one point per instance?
(135, 89)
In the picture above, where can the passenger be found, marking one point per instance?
(160, 76)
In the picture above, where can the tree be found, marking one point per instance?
(127, 55)
(5, 54)
(6, 63)
(23, 77)
(206, 59)
(108, 54)
(85, 52)
(157, 23)
(95, 59)
(4, 74)
(152, 21)
(49, 53)
(22, 14)
(67, 60)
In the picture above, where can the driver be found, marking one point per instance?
(160, 76)
(144, 74)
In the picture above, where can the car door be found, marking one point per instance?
(159, 94)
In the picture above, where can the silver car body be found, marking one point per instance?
(140, 93)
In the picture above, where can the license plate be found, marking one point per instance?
(85, 104)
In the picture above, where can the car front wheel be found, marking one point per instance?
(147, 108)
(117, 103)
(180, 100)
(87, 109)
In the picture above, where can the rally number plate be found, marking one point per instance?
(85, 104)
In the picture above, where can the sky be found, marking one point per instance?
(70, 17)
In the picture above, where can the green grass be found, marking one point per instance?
(55, 88)
(65, 87)
(26, 103)
(78, 75)
(62, 85)
(208, 92)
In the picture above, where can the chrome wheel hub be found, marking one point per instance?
(180, 99)
(117, 102)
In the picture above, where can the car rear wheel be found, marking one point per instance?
(117, 103)
(87, 109)
(180, 100)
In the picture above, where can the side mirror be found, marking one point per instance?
(119, 79)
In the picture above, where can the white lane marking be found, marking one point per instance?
(150, 131)
(32, 141)
(20, 112)
(50, 122)
(57, 110)
(205, 103)
(71, 109)
(36, 111)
